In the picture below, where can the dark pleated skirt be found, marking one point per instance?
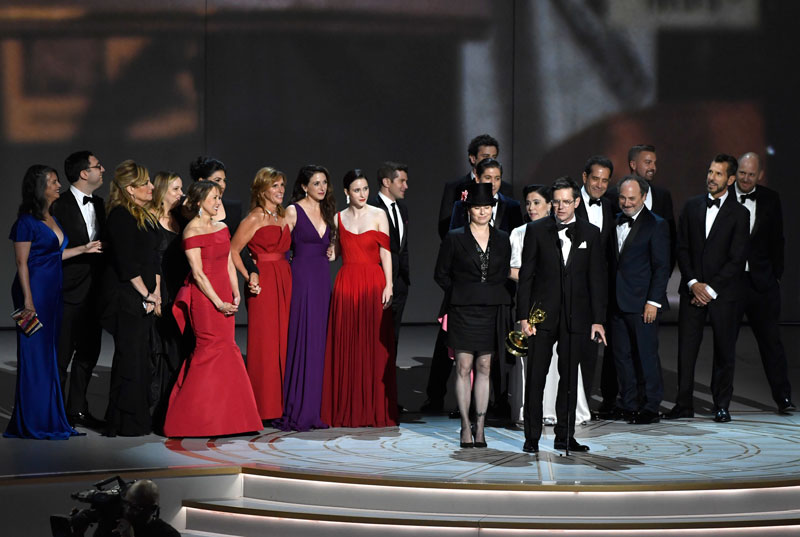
(472, 328)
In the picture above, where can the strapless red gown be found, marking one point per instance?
(268, 318)
(212, 396)
(359, 386)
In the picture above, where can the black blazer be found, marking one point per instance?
(766, 240)
(399, 248)
(452, 194)
(608, 218)
(719, 260)
(543, 277)
(458, 269)
(509, 215)
(640, 272)
(82, 271)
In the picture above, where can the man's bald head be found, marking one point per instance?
(749, 172)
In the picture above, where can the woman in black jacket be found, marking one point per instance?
(472, 268)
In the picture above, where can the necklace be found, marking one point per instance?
(273, 215)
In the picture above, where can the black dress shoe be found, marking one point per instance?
(722, 416)
(432, 406)
(786, 406)
(530, 446)
(645, 416)
(561, 444)
(84, 419)
(679, 412)
(605, 413)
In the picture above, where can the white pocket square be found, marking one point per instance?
(583, 245)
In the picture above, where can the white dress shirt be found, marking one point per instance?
(399, 224)
(517, 239)
(594, 212)
(711, 216)
(566, 242)
(87, 211)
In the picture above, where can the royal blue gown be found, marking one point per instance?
(38, 404)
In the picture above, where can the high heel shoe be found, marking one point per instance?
(477, 444)
(466, 444)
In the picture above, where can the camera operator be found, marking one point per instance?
(140, 513)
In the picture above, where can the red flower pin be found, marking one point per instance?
(464, 195)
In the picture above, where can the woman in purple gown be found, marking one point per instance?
(311, 215)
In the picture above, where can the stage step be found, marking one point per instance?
(294, 505)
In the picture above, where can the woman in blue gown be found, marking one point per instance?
(39, 247)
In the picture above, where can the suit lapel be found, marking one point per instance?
(637, 225)
(501, 209)
(394, 234)
(467, 242)
(77, 216)
(723, 211)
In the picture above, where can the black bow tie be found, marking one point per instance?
(712, 202)
(569, 227)
(624, 219)
(745, 197)
(595, 201)
(87, 199)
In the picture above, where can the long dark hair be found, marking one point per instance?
(328, 204)
(33, 187)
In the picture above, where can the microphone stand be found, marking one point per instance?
(562, 267)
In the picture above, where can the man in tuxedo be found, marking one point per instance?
(480, 147)
(392, 185)
(763, 271)
(599, 211)
(563, 272)
(82, 217)
(639, 270)
(712, 248)
(506, 213)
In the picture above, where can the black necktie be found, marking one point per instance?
(745, 197)
(595, 201)
(712, 202)
(624, 219)
(394, 215)
(87, 199)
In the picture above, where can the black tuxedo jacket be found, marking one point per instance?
(719, 259)
(608, 218)
(766, 240)
(543, 277)
(640, 271)
(399, 248)
(452, 194)
(509, 214)
(458, 269)
(81, 271)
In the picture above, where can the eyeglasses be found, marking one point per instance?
(562, 203)
(98, 166)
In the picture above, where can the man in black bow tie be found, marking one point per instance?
(639, 265)
(763, 271)
(712, 249)
(82, 215)
(563, 272)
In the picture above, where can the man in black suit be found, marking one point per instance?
(480, 147)
(763, 271)
(639, 270)
(82, 217)
(599, 211)
(563, 272)
(392, 186)
(506, 213)
(712, 248)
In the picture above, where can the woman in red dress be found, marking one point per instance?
(359, 387)
(212, 396)
(268, 235)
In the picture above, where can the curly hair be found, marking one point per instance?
(265, 178)
(130, 174)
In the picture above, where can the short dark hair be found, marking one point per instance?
(733, 164)
(351, 176)
(486, 164)
(600, 160)
(197, 192)
(388, 170)
(33, 185)
(75, 164)
(566, 182)
(483, 139)
(644, 185)
(543, 190)
(204, 167)
(634, 151)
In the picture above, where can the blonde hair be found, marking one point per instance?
(160, 186)
(265, 178)
(128, 173)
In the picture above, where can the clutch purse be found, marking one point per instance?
(29, 326)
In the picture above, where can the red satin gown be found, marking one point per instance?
(212, 396)
(359, 386)
(268, 318)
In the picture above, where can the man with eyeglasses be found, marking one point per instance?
(81, 214)
(563, 273)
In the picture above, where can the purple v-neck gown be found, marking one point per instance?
(308, 321)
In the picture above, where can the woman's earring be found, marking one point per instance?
(347, 198)
(306, 193)
(200, 211)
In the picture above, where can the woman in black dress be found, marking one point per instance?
(133, 294)
(472, 268)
